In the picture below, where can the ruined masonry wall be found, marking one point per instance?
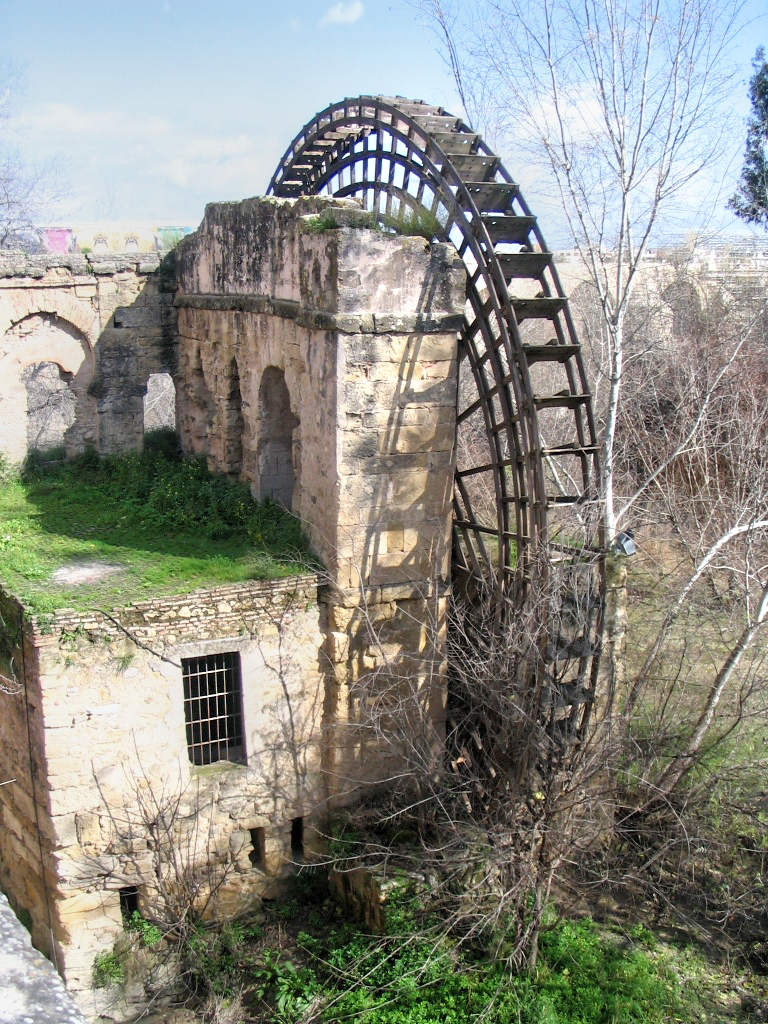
(317, 358)
(108, 322)
(106, 700)
(23, 875)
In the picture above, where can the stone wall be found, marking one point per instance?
(106, 323)
(360, 328)
(27, 871)
(110, 752)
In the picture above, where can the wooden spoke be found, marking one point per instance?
(396, 155)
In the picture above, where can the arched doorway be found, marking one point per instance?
(276, 431)
(160, 402)
(51, 405)
(46, 368)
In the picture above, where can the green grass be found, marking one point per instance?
(318, 225)
(108, 970)
(415, 221)
(167, 523)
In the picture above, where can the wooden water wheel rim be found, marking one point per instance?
(397, 154)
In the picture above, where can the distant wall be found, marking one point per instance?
(106, 322)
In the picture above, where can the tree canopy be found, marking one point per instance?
(750, 201)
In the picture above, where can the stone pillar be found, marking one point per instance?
(359, 328)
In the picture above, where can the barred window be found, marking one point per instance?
(213, 708)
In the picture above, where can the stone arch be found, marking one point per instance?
(55, 302)
(37, 339)
(195, 408)
(276, 447)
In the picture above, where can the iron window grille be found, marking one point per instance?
(213, 708)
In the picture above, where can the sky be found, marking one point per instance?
(152, 108)
(155, 108)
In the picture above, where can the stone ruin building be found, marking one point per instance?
(320, 367)
(318, 359)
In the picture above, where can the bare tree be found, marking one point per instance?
(690, 446)
(26, 190)
(620, 101)
(498, 801)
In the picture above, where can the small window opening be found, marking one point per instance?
(213, 708)
(258, 854)
(129, 902)
(297, 839)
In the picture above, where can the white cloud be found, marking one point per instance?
(343, 13)
(64, 120)
(143, 168)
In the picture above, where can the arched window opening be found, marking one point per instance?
(276, 428)
(50, 405)
(234, 425)
(160, 402)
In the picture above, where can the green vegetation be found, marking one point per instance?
(408, 221)
(149, 934)
(417, 221)
(301, 959)
(325, 221)
(108, 970)
(164, 525)
(112, 967)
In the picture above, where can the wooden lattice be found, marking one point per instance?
(526, 484)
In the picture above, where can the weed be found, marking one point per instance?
(149, 933)
(37, 461)
(163, 443)
(415, 221)
(7, 472)
(326, 221)
(291, 990)
(108, 970)
(123, 662)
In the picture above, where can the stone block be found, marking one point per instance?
(434, 436)
(338, 647)
(88, 828)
